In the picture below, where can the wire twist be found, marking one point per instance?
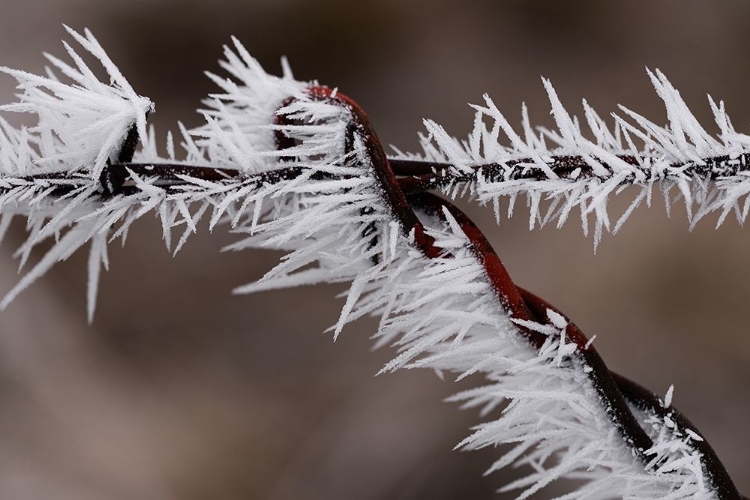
(614, 390)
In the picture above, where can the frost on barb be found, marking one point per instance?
(677, 160)
(81, 124)
(239, 132)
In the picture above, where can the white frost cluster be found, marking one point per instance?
(81, 125)
(670, 160)
(330, 216)
(239, 131)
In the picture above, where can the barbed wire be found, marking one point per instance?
(382, 202)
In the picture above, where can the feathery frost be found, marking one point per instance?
(81, 125)
(319, 200)
(677, 160)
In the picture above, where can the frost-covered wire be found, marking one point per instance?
(296, 166)
(583, 162)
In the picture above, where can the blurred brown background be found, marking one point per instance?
(181, 391)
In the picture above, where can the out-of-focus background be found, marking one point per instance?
(180, 390)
